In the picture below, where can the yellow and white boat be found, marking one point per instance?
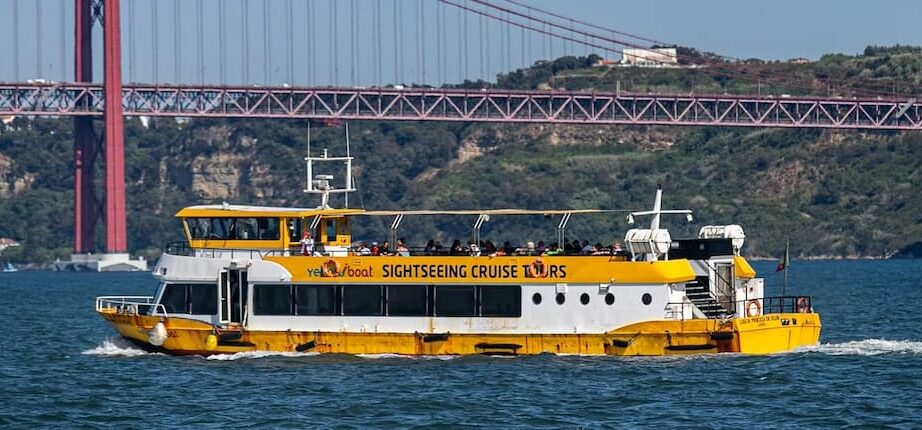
(240, 283)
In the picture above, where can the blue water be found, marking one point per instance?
(62, 366)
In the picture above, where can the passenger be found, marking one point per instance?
(386, 248)
(456, 248)
(567, 247)
(489, 248)
(542, 248)
(437, 250)
(616, 248)
(508, 249)
(362, 249)
(375, 250)
(473, 248)
(307, 244)
(430, 247)
(587, 249)
(554, 249)
(402, 249)
(530, 248)
(599, 250)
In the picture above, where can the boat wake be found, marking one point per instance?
(868, 347)
(249, 355)
(116, 348)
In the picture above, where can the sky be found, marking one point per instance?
(327, 42)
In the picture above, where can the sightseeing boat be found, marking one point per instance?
(247, 279)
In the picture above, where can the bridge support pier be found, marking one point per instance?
(86, 203)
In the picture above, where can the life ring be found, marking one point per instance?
(331, 268)
(802, 306)
(538, 269)
(753, 308)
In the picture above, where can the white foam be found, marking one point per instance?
(868, 347)
(409, 357)
(259, 354)
(116, 348)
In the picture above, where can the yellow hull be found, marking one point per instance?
(757, 335)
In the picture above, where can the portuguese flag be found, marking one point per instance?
(786, 260)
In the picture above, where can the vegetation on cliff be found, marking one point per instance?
(833, 193)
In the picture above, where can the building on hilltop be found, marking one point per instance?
(650, 57)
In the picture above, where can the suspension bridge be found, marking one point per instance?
(394, 60)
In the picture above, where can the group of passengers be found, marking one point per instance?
(488, 248)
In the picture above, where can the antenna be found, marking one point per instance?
(323, 184)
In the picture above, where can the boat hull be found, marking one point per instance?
(774, 333)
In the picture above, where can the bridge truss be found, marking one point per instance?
(489, 105)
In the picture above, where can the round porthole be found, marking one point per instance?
(647, 298)
(609, 299)
(560, 298)
(536, 298)
(584, 298)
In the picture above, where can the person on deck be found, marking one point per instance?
(307, 244)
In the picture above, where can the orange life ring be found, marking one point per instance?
(753, 308)
(538, 269)
(802, 306)
(331, 268)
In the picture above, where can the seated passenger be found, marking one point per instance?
(430, 247)
(456, 248)
(375, 250)
(362, 249)
(489, 248)
(385, 248)
(586, 249)
(402, 249)
(508, 249)
(473, 248)
(542, 248)
(553, 250)
(616, 248)
(530, 248)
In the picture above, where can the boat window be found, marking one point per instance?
(173, 299)
(584, 298)
(406, 300)
(609, 299)
(203, 299)
(234, 228)
(272, 299)
(536, 298)
(331, 230)
(455, 301)
(501, 301)
(294, 230)
(362, 300)
(560, 298)
(647, 298)
(315, 300)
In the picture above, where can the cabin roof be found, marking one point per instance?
(260, 211)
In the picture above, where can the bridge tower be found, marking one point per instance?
(87, 147)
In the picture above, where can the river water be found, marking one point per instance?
(62, 366)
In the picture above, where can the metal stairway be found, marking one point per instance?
(698, 293)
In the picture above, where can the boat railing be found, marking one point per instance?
(183, 249)
(130, 305)
(749, 307)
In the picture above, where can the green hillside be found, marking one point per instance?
(833, 193)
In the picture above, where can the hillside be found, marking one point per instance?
(833, 193)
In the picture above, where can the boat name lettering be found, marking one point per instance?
(347, 270)
(476, 271)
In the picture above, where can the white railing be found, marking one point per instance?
(130, 305)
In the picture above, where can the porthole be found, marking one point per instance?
(584, 298)
(647, 298)
(536, 298)
(609, 299)
(560, 298)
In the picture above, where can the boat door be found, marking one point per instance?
(234, 295)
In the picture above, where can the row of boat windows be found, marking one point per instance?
(355, 300)
(234, 228)
(389, 300)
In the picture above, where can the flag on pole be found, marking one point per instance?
(786, 260)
